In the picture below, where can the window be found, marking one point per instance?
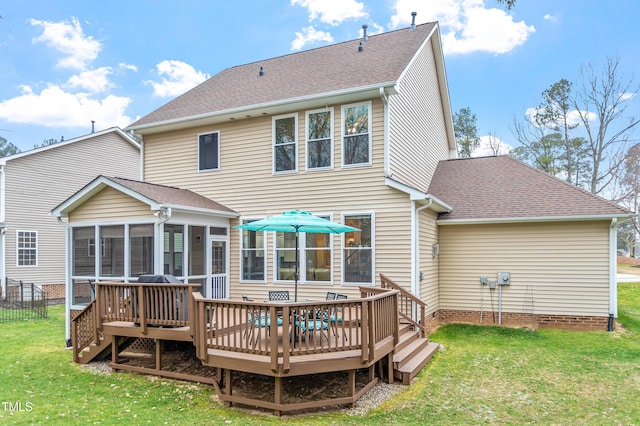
(83, 250)
(173, 249)
(285, 129)
(318, 257)
(112, 259)
(286, 256)
(252, 247)
(27, 247)
(358, 250)
(140, 250)
(209, 151)
(320, 139)
(356, 134)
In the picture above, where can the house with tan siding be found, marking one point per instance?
(361, 133)
(32, 243)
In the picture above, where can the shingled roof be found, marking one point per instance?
(502, 188)
(171, 196)
(331, 69)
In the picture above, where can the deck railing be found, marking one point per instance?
(83, 330)
(410, 308)
(146, 304)
(284, 330)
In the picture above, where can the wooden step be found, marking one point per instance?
(403, 356)
(418, 360)
(405, 338)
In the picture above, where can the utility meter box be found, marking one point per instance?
(504, 278)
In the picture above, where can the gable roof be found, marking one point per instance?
(57, 145)
(501, 189)
(332, 70)
(158, 197)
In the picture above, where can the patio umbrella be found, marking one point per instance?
(297, 221)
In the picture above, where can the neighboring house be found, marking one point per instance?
(358, 132)
(32, 243)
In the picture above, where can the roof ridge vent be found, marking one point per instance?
(413, 21)
(365, 37)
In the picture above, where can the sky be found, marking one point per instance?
(66, 63)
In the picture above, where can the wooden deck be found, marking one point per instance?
(279, 340)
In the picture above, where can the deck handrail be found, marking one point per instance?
(408, 304)
(83, 329)
(282, 331)
(146, 304)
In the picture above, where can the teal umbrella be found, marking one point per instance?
(297, 221)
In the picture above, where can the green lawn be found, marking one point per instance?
(485, 375)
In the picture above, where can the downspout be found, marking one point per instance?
(3, 231)
(68, 291)
(613, 270)
(415, 242)
(387, 161)
(163, 215)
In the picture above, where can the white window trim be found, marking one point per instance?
(244, 220)
(24, 248)
(331, 138)
(219, 149)
(302, 259)
(373, 249)
(342, 135)
(273, 143)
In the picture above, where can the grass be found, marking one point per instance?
(485, 375)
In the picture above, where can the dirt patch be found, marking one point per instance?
(180, 357)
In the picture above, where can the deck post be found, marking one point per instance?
(352, 386)
(277, 397)
(142, 311)
(390, 377)
(364, 330)
(114, 349)
(228, 388)
(158, 354)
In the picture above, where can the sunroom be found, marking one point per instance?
(120, 229)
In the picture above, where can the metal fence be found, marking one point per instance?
(22, 301)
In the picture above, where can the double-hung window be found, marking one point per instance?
(320, 139)
(356, 134)
(317, 256)
(252, 247)
(27, 248)
(285, 141)
(209, 151)
(358, 256)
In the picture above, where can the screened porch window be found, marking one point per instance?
(140, 250)
(112, 261)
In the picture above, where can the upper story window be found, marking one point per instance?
(27, 248)
(285, 141)
(209, 151)
(356, 134)
(320, 139)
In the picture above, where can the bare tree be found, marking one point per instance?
(601, 105)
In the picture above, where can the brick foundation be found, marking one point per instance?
(510, 319)
(54, 291)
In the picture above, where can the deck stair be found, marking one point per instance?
(412, 353)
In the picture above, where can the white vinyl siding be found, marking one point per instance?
(38, 182)
(559, 268)
(417, 133)
(256, 192)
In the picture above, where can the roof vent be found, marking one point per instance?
(261, 72)
(360, 48)
(93, 126)
(365, 37)
(413, 21)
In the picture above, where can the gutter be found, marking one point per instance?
(385, 102)
(484, 221)
(613, 269)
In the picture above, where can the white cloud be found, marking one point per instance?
(627, 96)
(467, 25)
(53, 107)
(69, 39)
(95, 81)
(309, 35)
(573, 117)
(180, 77)
(129, 67)
(551, 18)
(332, 12)
(491, 145)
